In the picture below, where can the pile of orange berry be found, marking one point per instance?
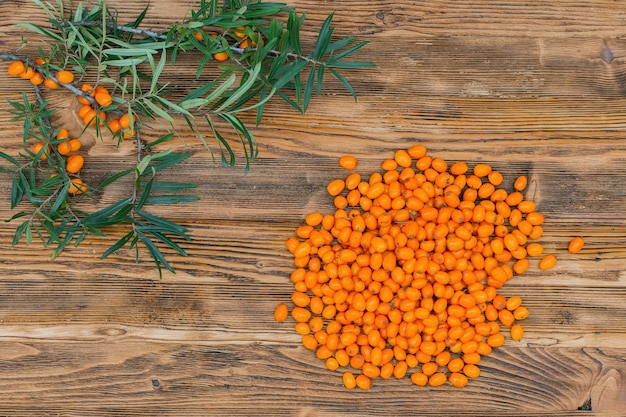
(403, 278)
(66, 146)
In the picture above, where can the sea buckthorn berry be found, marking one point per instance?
(349, 381)
(37, 79)
(471, 371)
(534, 249)
(28, 73)
(220, 56)
(402, 158)
(65, 77)
(517, 332)
(576, 244)
(104, 99)
(482, 170)
(520, 183)
(418, 378)
(281, 312)
(125, 121)
(335, 187)
(77, 186)
(75, 145)
(437, 379)
(348, 162)
(457, 379)
(547, 262)
(363, 382)
(16, 68)
(74, 163)
(240, 32)
(513, 302)
(64, 148)
(37, 148)
(63, 133)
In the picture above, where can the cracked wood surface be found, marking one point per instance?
(532, 88)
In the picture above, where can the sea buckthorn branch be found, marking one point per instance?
(257, 47)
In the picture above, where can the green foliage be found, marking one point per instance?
(131, 62)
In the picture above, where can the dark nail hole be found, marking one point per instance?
(586, 406)
(156, 383)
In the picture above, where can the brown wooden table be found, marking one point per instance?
(534, 88)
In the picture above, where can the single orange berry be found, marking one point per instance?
(65, 77)
(576, 244)
(115, 125)
(125, 121)
(220, 56)
(63, 133)
(85, 88)
(50, 84)
(75, 144)
(517, 332)
(74, 163)
(349, 381)
(348, 162)
(64, 148)
(90, 117)
(129, 133)
(281, 313)
(199, 36)
(28, 73)
(16, 68)
(240, 32)
(82, 112)
(77, 186)
(547, 262)
(37, 148)
(104, 99)
(37, 79)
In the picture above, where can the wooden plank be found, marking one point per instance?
(531, 88)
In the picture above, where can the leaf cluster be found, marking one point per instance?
(131, 63)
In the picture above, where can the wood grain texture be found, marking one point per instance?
(531, 88)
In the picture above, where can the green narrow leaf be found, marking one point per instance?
(347, 52)
(170, 199)
(308, 88)
(170, 186)
(165, 224)
(292, 69)
(145, 194)
(162, 163)
(159, 259)
(17, 192)
(20, 231)
(40, 30)
(169, 242)
(158, 70)
(9, 158)
(162, 139)
(293, 27)
(323, 39)
(135, 23)
(344, 82)
(159, 111)
(242, 89)
(117, 245)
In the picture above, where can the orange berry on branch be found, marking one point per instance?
(37, 79)
(75, 144)
(77, 186)
(64, 148)
(74, 163)
(27, 73)
(16, 68)
(65, 77)
(50, 84)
